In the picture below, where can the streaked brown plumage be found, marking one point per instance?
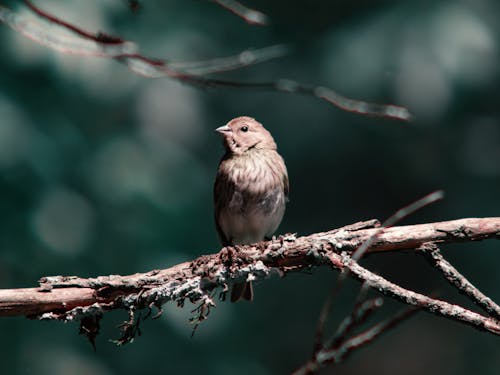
(251, 188)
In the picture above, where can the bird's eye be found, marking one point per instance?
(244, 129)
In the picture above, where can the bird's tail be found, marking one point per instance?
(242, 291)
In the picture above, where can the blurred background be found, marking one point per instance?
(106, 172)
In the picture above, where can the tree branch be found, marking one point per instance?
(335, 350)
(455, 278)
(50, 31)
(70, 298)
(433, 305)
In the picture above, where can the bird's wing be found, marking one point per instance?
(286, 188)
(223, 189)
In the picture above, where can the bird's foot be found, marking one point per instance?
(226, 255)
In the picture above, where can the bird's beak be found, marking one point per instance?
(223, 129)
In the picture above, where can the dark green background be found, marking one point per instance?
(105, 172)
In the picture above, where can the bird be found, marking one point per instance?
(251, 189)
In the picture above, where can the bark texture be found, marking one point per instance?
(71, 297)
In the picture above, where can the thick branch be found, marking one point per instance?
(69, 298)
(33, 301)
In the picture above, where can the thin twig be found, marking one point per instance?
(335, 355)
(372, 333)
(458, 280)
(397, 217)
(223, 64)
(409, 297)
(360, 313)
(251, 16)
(98, 38)
(323, 316)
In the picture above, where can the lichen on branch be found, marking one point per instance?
(70, 298)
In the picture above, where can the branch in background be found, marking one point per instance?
(100, 37)
(224, 64)
(251, 16)
(64, 37)
(69, 298)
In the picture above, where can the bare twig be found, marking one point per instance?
(424, 302)
(458, 280)
(66, 39)
(375, 331)
(98, 38)
(71, 39)
(324, 313)
(360, 313)
(251, 16)
(224, 64)
(398, 216)
(336, 354)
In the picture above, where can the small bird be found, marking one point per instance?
(251, 189)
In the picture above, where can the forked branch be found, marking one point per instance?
(72, 298)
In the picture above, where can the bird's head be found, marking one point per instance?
(245, 133)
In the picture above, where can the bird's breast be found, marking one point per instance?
(255, 200)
